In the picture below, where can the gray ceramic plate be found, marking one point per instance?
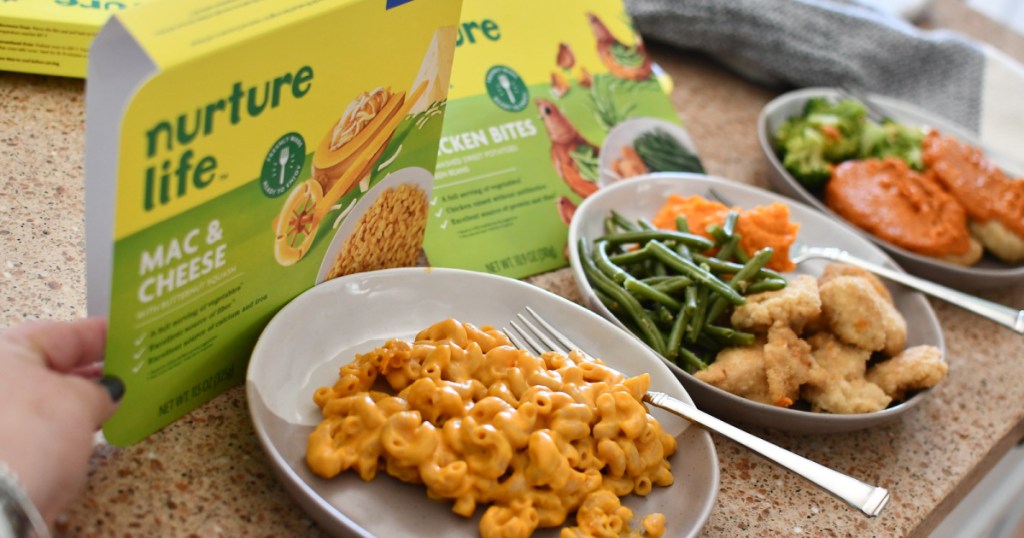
(988, 273)
(305, 343)
(643, 196)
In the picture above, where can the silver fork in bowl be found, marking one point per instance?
(1003, 315)
(536, 335)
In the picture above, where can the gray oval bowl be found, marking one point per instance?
(986, 274)
(642, 196)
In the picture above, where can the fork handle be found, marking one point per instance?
(1003, 315)
(865, 497)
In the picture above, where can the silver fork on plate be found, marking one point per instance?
(1003, 315)
(536, 335)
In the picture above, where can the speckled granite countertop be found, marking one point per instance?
(206, 475)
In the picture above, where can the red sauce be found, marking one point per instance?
(893, 202)
(979, 185)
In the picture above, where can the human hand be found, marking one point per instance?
(52, 406)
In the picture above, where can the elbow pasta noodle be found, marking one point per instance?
(388, 235)
(481, 423)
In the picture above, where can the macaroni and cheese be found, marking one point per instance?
(479, 422)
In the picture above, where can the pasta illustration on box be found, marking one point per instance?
(213, 207)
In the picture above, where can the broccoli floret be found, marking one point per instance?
(802, 147)
(841, 124)
(892, 139)
(826, 133)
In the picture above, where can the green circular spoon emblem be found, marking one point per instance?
(506, 88)
(283, 164)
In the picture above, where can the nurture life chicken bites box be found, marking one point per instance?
(239, 153)
(549, 102)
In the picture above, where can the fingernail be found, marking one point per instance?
(114, 386)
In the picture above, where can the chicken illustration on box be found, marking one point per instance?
(574, 157)
(622, 60)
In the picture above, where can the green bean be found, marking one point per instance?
(628, 281)
(682, 225)
(729, 226)
(690, 300)
(730, 337)
(698, 274)
(608, 302)
(675, 335)
(690, 240)
(697, 320)
(739, 253)
(691, 362)
(609, 225)
(724, 267)
(645, 291)
(623, 223)
(729, 248)
(606, 266)
(662, 315)
(717, 234)
(672, 284)
(751, 268)
(739, 281)
(715, 311)
(648, 329)
(767, 284)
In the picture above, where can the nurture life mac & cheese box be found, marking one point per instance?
(239, 153)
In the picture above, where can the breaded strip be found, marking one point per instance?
(839, 360)
(788, 364)
(833, 270)
(843, 396)
(740, 371)
(795, 305)
(858, 315)
(918, 367)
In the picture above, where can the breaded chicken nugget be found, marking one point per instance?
(839, 360)
(788, 364)
(918, 367)
(795, 305)
(740, 371)
(843, 388)
(834, 270)
(844, 396)
(858, 315)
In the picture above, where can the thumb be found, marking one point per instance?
(98, 399)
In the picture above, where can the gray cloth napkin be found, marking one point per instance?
(806, 43)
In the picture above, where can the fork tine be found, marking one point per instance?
(718, 197)
(515, 334)
(559, 338)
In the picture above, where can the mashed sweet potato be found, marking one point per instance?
(760, 227)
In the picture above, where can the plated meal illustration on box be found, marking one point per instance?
(383, 229)
(344, 157)
(639, 146)
(711, 287)
(921, 188)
